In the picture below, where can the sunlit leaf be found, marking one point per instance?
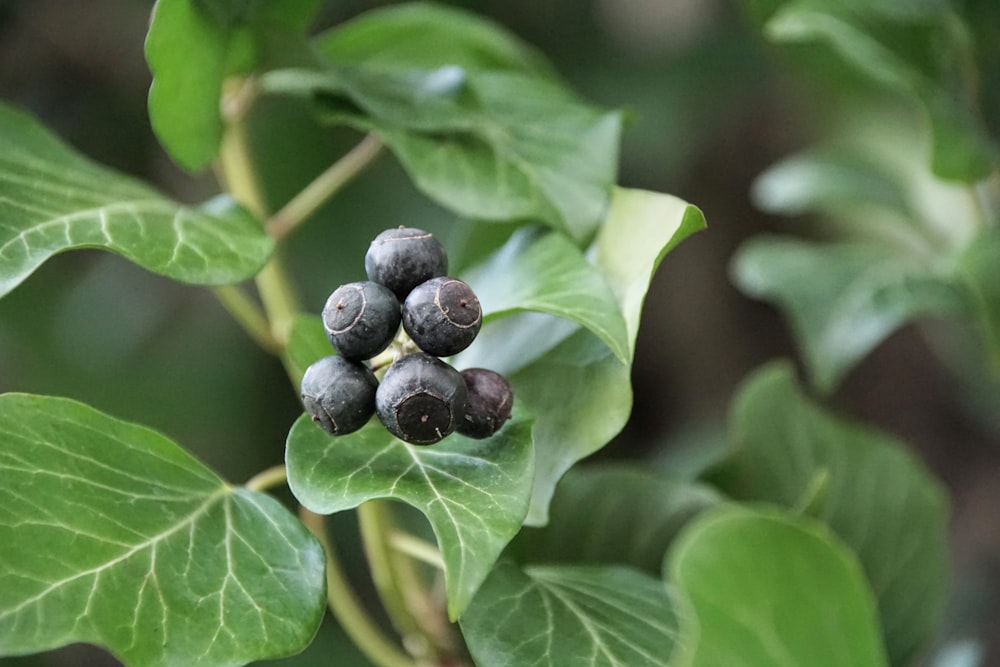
(579, 392)
(572, 615)
(53, 199)
(772, 590)
(113, 535)
(474, 492)
(877, 498)
(546, 272)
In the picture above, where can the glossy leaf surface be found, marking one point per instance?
(193, 45)
(548, 157)
(113, 535)
(572, 615)
(772, 590)
(428, 36)
(53, 199)
(474, 492)
(547, 273)
(878, 499)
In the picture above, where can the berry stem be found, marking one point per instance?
(416, 548)
(345, 605)
(320, 190)
(249, 315)
(266, 479)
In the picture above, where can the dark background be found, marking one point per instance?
(710, 107)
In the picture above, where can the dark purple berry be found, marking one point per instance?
(442, 316)
(489, 403)
(421, 399)
(403, 257)
(361, 319)
(339, 394)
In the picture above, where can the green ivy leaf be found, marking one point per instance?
(53, 199)
(193, 45)
(111, 534)
(842, 300)
(307, 343)
(829, 182)
(579, 392)
(962, 147)
(428, 36)
(488, 144)
(876, 497)
(979, 270)
(473, 492)
(546, 272)
(773, 590)
(565, 615)
(630, 517)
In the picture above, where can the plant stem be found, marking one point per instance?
(249, 315)
(375, 523)
(323, 187)
(348, 609)
(416, 548)
(416, 614)
(278, 297)
(268, 478)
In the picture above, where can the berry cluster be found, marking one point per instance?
(420, 399)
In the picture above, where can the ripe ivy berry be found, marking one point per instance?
(361, 319)
(421, 399)
(339, 394)
(489, 403)
(442, 316)
(403, 257)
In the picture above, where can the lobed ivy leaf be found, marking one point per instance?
(193, 45)
(427, 36)
(590, 616)
(546, 272)
(630, 517)
(962, 148)
(113, 535)
(494, 145)
(769, 589)
(579, 392)
(876, 496)
(842, 300)
(474, 492)
(53, 199)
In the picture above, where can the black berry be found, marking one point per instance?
(489, 403)
(403, 257)
(361, 319)
(442, 316)
(339, 394)
(421, 399)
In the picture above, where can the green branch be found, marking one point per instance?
(348, 609)
(314, 195)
